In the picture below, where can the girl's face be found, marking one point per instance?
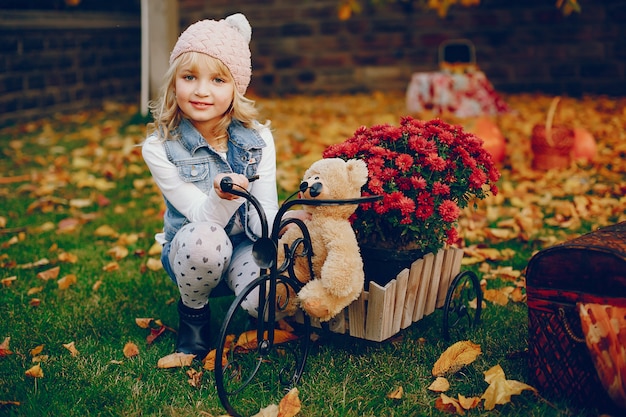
(204, 91)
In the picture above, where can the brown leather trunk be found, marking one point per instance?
(588, 269)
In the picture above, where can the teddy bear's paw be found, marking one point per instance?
(315, 308)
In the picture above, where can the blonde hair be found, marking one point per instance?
(166, 113)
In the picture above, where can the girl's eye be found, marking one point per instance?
(188, 77)
(219, 80)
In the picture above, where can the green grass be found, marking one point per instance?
(344, 376)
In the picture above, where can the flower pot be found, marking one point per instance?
(381, 265)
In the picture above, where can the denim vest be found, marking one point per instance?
(198, 164)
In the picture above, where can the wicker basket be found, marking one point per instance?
(551, 144)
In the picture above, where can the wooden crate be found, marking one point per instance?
(416, 292)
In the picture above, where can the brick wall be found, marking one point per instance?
(521, 45)
(66, 61)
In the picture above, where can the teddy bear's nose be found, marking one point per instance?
(315, 189)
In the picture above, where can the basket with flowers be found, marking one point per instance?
(427, 172)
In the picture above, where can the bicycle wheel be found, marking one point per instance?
(457, 314)
(259, 362)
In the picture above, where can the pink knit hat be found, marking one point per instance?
(227, 40)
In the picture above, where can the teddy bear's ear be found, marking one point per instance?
(357, 172)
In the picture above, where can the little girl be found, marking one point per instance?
(204, 129)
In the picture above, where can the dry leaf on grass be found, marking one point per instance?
(118, 252)
(111, 266)
(195, 377)
(501, 389)
(290, 404)
(155, 333)
(67, 257)
(209, 360)
(176, 360)
(154, 264)
(269, 411)
(34, 290)
(4, 347)
(144, 323)
(456, 357)
(396, 394)
(449, 405)
(248, 340)
(456, 405)
(105, 231)
(130, 350)
(468, 402)
(49, 274)
(440, 384)
(36, 350)
(67, 281)
(6, 282)
(70, 346)
(35, 372)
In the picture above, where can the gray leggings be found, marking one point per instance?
(201, 255)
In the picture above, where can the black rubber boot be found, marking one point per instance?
(194, 332)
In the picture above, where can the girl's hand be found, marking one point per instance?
(238, 181)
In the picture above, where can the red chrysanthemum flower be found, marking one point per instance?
(449, 211)
(404, 162)
(440, 189)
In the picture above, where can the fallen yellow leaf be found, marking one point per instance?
(440, 384)
(67, 281)
(289, 405)
(70, 346)
(501, 389)
(35, 372)
(34, 290)
(105, 231)
(36, 350)
(6, 282)
(209, 360)
(111, 266)
(68, 257)
(4, 347)
(456, 357)
(176, 360)
(468, 402)
(144, 323)
(195, 377)
(396, 394)
(118, 252)
(49, 274)
(449, 405)
(155, 249)
(248, 340)
(154, 264)
(269, 411)
(130, 350)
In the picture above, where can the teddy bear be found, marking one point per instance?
(337, 265)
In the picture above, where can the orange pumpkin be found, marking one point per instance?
(585, 147)
(493, 139)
